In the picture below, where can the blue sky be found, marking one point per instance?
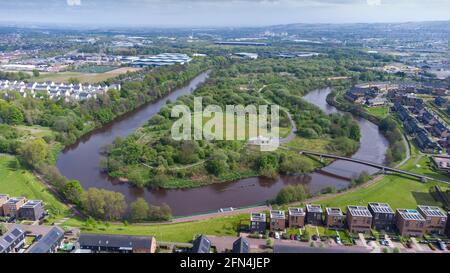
(174, 13)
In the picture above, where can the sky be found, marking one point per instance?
(215, 13)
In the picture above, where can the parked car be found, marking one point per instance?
(386, 243)
(448, 247)
(382, 242)
(277, 235)
(315, 237)
(409, 244)
(442, 245)
(297, 238)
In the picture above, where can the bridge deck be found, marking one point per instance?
(368, 163)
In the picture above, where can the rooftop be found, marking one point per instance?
(431, 211)
(8, 238)
(45, 245)
(410, 214)
(381, 208)
(258, 217)
(277, 214)
(359, 211)
(32, 203)
(296, 212)
(201, 245)
(241, 245)
(15, 200)
(334, 211)
(313, 208)
(115, 241)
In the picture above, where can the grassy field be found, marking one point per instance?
(83, 77)
(380, 112)
(398, 191)
(180, 232)
(18, 181)
(318, 145)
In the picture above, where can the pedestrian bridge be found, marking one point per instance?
(381, 167)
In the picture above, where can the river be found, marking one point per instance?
(81, 161)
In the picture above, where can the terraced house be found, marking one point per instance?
(359, 219)
(383, 216)
(277, 220)
(334, 218)
(410, 223)
(435, 219)
(296, 217)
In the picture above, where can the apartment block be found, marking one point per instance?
(410, 223)
(296, 217)
(383, 216)
(359, 219)
(314, 214)
(277, 220)
(258, 222)
(12, 206)
(32, 210)
(3, 199)
(435, 219)
(334, 218)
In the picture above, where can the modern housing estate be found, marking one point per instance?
(383, 216)
(21, 208)
(77, 92)
(277, 220)
(258, 222)
(334, 218)
(314, 214)
(410, 223)
(296, 217)
(435, 219)
(359, 219)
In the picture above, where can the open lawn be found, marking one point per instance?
(180, 232)
(380, 112)
(18, 181)
(317, 145)
(82, 76)
(399, 192)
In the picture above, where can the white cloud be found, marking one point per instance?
(74, 3)
(374, 2)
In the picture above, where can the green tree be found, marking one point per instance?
(35, 152)
(218, 163)
(36, 73)
(292, 193)
(139, 210)
(73, 191)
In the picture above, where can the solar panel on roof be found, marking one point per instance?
(16, 232)
(8, 239)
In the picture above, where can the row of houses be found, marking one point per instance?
(371, 95)
(14, 241)
(56, 90)
(162, 59)
(422, 122)
(21, 208)
(358, 219)
(202, 244)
